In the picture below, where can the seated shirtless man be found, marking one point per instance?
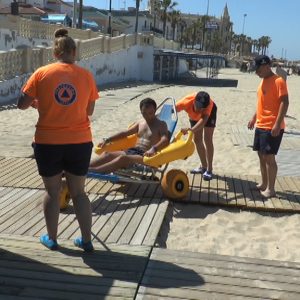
(152, 136)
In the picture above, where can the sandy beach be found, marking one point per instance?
(194, 227)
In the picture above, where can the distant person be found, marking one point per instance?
(272, 105)
(202, 112)
(152, 136)
(281, 72)
(64, 95)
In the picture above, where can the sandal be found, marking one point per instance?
(47, 242)
(199, 170)
(87, 247)
(207, 175)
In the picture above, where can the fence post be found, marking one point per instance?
(27, 54)
(108, 44)
(123, 41)
(78, 50)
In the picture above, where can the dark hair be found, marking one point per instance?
(202, 99)
(148, 102)
(63, 44)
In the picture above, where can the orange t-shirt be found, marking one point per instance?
(187, 104)
(63, 92)
(269, 95)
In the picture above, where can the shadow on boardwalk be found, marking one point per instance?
(70, 274)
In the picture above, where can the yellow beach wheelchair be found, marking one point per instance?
(174, 182)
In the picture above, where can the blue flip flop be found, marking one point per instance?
(47, 242)
(87, 247)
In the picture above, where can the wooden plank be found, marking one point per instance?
(260, 202)
(230, 192)
(22, 173)
(125, 218)
(213, 191)
(239, 193)
(204, 191)
(138, 217)
(69, 225)
(22, 213)
(11, 169)
(14, 198)
(194, 195)
(293, 191)
(156, 223)
(282, 196)
(26, 265)
(192, 272)
(247, 193)
(222, 198)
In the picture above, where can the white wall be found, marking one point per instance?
(135, 63)
(10, 40)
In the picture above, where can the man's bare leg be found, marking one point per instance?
(198, 139)
(104, 158)
(271, 167)
(263, 170)
(120, 162)
(209, 146)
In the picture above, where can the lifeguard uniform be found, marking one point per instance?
(64, 92)
(269, 95)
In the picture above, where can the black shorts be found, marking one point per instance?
(265, 143)
(134, 151)
(212, 120)
(54, 159)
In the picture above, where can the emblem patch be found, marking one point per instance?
(65, 94)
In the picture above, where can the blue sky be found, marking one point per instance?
(274, 18)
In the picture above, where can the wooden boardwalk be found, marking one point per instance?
(28, 271)
(121, 219)
(182, 275)
(126, 265)
(223, 190)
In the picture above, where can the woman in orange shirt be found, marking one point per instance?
(202, 112)
(64, 95)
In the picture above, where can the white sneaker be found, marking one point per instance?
(207, 175)
(199, 170)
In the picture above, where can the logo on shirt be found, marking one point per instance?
(65, 94)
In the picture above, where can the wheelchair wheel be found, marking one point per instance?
(175, 184)
(65, 196)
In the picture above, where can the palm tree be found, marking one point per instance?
(264, 43)
(166, 5)
(174, 18)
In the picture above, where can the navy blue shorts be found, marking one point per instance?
(134, 151)
(211, 121)
(54, 159)
(265, 143)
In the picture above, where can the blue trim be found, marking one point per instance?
(108, 177)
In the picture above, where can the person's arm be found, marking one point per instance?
(283, 107)
(25, 101)
(198, 126)
(251, 123)
(162, 143)
(131, 130)
(90, 108)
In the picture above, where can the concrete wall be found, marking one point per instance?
(122, 65)
(135, 63)
(9, 40)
